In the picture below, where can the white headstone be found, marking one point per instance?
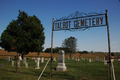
(7, 58)
(82, 58)
(72, 57)
(42, 60)
(54, 59)
(12, 63)
(112, 60)
(78, 59)
(24, 60)
(18, 63)
(89, 60)
(97, 58)
(75, 59)
(20, 58)
(37, 63)
(105, 62)
(26, 65)
(61, 65)
(118, 59)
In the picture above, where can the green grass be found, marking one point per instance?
(96, 70)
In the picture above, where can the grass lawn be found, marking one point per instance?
(96, 70)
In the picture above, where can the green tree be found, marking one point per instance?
(71, 44)
(85, 52)
(24, 35)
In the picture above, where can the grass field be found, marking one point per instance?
(96, 70)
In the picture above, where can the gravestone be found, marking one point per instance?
(7, 58)
(72, 57)
(54, 60)
(12, 63)
(75, 59)
(42, 60)
(89, 60)
(82, 58)
(26, 65)
(105, 62)
(97, 58)
(78, 59)
(20, 58)
(61, 65)
(37, 63)
(10, 59)
(18, 63)
(24, 60)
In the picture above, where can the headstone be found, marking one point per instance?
(10, 59)
(42, 60)
(24, 60)
(112, 60)
(61, 65)
(26, 65)
(105, 62)
(7, 58)
(97, 58)
(82, 58)
(54, 60)
(37, 63)
(20, 58)
(12, 63)
(78, 59)
(89, 60)
(72, 57)
(75, 59)
(18, 63)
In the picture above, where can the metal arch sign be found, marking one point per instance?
(80, 21)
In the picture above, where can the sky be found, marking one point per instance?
(92, 39)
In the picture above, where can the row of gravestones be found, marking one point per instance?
(26, 63)
(97, 59)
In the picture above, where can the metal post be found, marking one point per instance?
(51, 48)
(79, 67)
(107, 22)
(75, 67)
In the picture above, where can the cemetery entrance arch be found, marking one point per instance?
(81, 21)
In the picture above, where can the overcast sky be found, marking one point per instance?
(93, 39)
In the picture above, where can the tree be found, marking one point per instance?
(71, 44)
(85, 52)
(24, 35)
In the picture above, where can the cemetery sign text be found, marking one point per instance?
(80, 21)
